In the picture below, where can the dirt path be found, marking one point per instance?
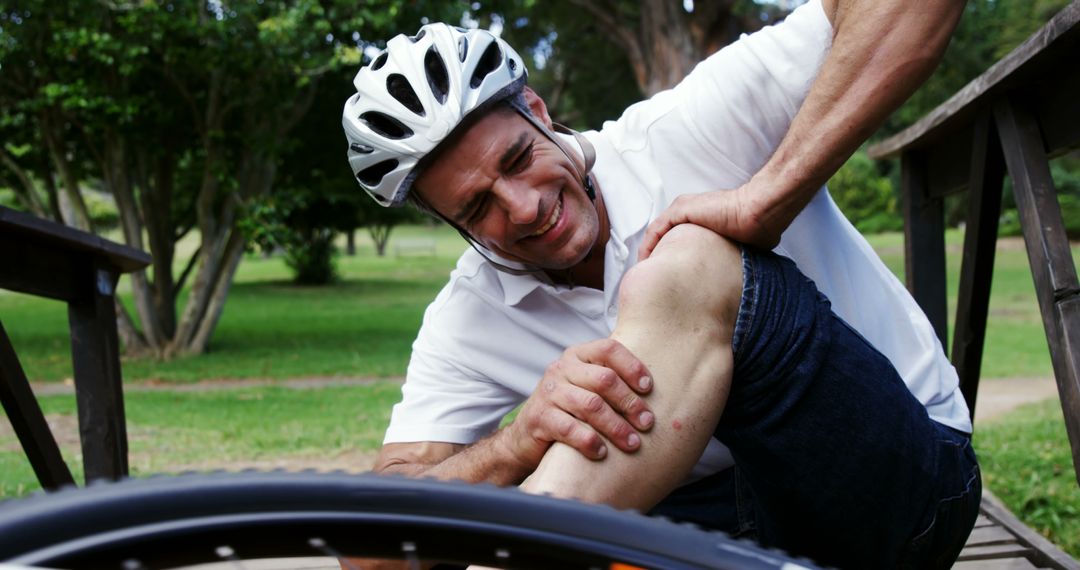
(998, 396)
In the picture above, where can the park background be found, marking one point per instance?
(274, 326)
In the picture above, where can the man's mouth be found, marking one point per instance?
(552, 220)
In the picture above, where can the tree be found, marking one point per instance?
(182, 111)
(658, 41)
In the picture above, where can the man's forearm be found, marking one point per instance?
(882, 51)
(487, 460)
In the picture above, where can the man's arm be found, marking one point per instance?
(882, 51)
(591, 396)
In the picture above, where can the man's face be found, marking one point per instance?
(514, 191)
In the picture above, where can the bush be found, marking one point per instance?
(283, 222)
(866, 196)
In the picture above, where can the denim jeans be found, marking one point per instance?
(836, 460)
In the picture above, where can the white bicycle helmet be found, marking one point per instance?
(413, 95)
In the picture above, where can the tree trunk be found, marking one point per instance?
(380, 234)
(78, 216)
(115, 170)
(26, 191)
(234, 251)
(663, 42)
(350, 242)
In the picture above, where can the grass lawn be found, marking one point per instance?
(262, 427)
(1026, 462)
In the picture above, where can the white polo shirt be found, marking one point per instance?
(488, 336)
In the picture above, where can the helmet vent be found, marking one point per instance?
(488, 63)
(437, 77)
(462, 48)
(400, 89)
(386, 125)
(511, 63)
(361, 148)
(379, 61)
(418, 36)
(373, 175)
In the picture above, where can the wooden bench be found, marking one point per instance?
(52, 260)
(1012, 119)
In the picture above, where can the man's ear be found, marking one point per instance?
(537, 106)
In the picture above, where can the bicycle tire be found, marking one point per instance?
(171, 521)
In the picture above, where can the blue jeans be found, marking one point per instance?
(836, 460)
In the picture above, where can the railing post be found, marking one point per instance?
(924, 242)
(1052, 267)
(977, 265)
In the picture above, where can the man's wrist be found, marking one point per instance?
(506, 453)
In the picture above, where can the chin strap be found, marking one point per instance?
(588, 153)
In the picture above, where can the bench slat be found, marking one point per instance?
(990, 535)
(991, 551)
(1003, 564)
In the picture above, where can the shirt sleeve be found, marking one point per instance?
(443, 398)
(740, 101)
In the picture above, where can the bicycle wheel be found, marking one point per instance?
(166, 522)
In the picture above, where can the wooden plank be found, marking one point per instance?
(990, 535)
(95, 350)
(924, 243)
(1045, 553)
(982, 521)
(32, 229)
(991, 551)
(36, 270)
(1049, 255)
(1052, 43)
(977, 265)
(28, 421)
(1002, 564)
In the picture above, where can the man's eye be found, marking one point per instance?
(477, 213)
(522, 160)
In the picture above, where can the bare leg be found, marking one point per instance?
(677, 313)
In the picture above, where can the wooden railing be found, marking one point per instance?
(1010, 120)
(50, 260)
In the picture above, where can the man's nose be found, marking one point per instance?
(519, 200)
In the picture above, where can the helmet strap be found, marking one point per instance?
(588, 153)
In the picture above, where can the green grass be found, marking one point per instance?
(1015, 340)
(1027, 463)
(173, 431)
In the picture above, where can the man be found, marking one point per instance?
(841, 453)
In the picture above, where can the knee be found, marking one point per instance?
(692, 271)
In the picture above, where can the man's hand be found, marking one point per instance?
(593, 390)
(730, 213)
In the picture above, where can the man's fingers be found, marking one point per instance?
(565, 428)
(656, 230)
(613, 355)
(591, 413)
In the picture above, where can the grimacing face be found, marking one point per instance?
(514, 191)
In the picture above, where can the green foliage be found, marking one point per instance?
(1027, 463)
(1065, 172)
(102, 211)
(293, 223)
(865, 196)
